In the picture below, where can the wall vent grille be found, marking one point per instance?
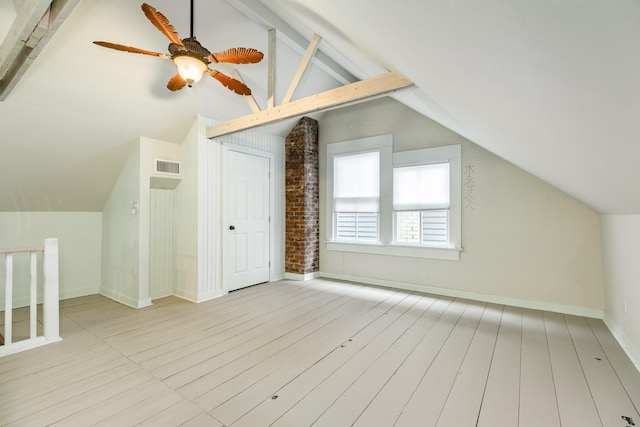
(166, 166)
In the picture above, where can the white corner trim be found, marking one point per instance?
(627, 345)
(301, 277)
(515, 302)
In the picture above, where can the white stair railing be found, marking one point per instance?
(50, 298)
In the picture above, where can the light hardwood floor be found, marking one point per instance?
(321, 353)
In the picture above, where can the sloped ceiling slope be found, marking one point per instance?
(68, 126)
(551, 86)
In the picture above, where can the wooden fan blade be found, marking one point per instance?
(176, 83)
(238, 55)
(130, 49)
(162, 23)
(229, 82)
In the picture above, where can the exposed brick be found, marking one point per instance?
(302, 246)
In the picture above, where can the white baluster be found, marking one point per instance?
(50, 305)
(33, 305)
(8, 300)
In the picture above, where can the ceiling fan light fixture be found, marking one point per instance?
(190, 57)
(190, 68)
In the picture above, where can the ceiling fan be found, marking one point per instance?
(190, 57)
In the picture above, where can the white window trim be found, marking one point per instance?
(453, 155)
(386, 246)
(384, 145)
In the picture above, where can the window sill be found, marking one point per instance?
(442, 253)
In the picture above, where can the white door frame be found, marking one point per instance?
(226, 148)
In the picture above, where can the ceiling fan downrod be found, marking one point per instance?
(191, 21)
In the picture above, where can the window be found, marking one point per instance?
(428, 227)
(405, 203)
(421, 204)
(356, 196)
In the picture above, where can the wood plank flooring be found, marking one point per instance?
(319, 353)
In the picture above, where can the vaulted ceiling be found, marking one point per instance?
(553, 87)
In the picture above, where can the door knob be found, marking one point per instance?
(232, 227)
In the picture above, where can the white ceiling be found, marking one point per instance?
(552, 86)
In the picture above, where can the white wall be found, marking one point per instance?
(186, 219)
(79, 246)
(126, 225)
(162, 274)
(621, 238)
(121, 235)
(156, 221)
(525, 242)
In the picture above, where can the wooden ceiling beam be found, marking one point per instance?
(302, 68)
(35, 24)
(271, 74)
(28, 15)
(352, 93)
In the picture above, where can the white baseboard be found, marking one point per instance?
(79, 292)
(24, 301)
(192, 297)
(125, 299)
(277, 277)
(627, 345)
(515, 302)
(142, 303)
(212, 295)
(189, 296)
(302, 277)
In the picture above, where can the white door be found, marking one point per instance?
(246, 228)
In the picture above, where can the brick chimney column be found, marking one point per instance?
(302, 247)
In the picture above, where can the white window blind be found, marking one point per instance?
(359, 226)
(434, 227)
(357, 182)
(421, 187)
